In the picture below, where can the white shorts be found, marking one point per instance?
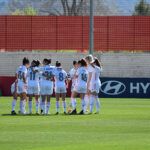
(60, 90)
(33, 89)
(46, 88)
(81, 89)
(95, 87)
(22, 88)
(72, 88)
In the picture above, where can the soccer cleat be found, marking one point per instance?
(19, 112)
(37, 113)
(81, 112)
(57, 113)
(74, 112)
(96, 113)
(41, 111)
(65, 113)
(13, 113)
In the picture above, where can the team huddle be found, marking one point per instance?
(41, 80)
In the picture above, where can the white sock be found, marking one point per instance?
(37, 106)
(21, 106)
(91, 103)
(57, 106)
(64, 105)
(14, 104)
(41, 104)
(24, 106)
(44, 107)
(83, 104)
(86, 98)
(98, 105)
(30, 106)
(47, 107)
(73, 100)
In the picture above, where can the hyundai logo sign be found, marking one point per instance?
(113, 87)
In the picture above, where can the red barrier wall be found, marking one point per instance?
(72, 33)
(5, 84)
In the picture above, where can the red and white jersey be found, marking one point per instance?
(60, 77)
(21, 72)
(82, 75)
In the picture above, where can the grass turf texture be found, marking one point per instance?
(124, 124)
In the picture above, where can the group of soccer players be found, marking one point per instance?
(39, 80)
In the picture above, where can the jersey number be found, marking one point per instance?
(61, 76)
(32, 76)
(49, 75)
(20, 75)
(84, 77)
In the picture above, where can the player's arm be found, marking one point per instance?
(67, 80)
(16, 75)
(67, 83)
(89, 80)
(24, 78)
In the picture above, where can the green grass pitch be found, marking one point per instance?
(124, 124)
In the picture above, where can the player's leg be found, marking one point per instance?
(86, 98)
(49, 93)
(63, 95)
(92, 99)
(74, 104)
(23, 99)
(82, 104)
(57, 103)
(43, 104)
(40, 99)
(98, 104)
(36, 92)
(48, 104)
(30, 103)
(72, 92)
(37, 104)
(14, 102)
(30, 92)
(43, 91)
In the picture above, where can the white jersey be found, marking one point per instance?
(21, 72)
(47, 73)
(60, 77)
(91, 69)
(33, 76)
(82, 75)
(72, 73)
(97, 75)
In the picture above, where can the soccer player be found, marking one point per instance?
(33, 85)
(14, 93)
(61, 84)
(21, 75)
(91, 83)
(81, 86)
(98, 69)
(46, 85)
(72, 78)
